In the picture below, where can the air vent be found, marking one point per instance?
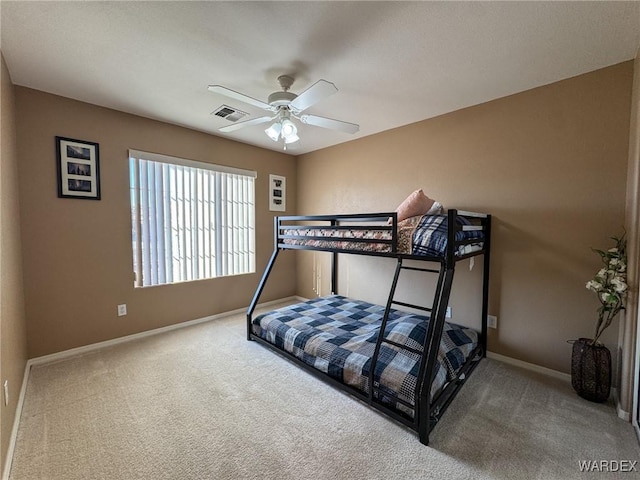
(231, 114)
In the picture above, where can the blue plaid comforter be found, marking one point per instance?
(337, 336)
(430, 236)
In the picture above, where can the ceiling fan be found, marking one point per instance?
(285, 105)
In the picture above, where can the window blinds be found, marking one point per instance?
(190, 220)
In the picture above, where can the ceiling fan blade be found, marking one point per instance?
(246, 123)
(239, 96)
(330, 123)
(312, 95)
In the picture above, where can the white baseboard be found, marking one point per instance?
(97, 346)
(624, 415)
(16, 424)
(529, 366)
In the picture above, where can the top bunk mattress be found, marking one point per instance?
(424, 236)
(337, 336)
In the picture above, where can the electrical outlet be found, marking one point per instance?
(492, 321)
(448, 314)
(6, 392)
(122, 310)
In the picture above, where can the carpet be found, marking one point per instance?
(203, 403)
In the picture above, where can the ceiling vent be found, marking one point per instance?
(231, 114)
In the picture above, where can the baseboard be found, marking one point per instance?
(128, 338)
(530, 366)
(16, 423)
(97, 346)
(623, 414)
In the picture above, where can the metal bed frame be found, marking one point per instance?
(427, 412)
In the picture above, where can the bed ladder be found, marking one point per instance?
(440, 303)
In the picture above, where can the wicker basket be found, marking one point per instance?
(591, 370)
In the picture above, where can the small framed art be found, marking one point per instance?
(277, 193)
(78, 169)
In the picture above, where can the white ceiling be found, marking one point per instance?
(394, 63)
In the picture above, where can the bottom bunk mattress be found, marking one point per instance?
(337, 335)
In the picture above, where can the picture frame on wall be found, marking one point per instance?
(78, 164)
(277, 193)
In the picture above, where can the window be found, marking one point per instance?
(190, 220)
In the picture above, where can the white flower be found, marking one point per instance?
(619, 285)
(610, 284)
(594, 286)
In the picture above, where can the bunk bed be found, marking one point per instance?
(407, 365)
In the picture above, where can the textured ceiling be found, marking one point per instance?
(394, 63)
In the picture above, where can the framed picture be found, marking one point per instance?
(78, 169)
(277, 193)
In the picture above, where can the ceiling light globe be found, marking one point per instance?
(274, 131)
(291, 138)
(288, 128)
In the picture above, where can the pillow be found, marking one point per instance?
(436, 209)
(415, 204)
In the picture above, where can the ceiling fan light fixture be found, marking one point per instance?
(274, 131)
(284, 128)
(291, 138)
(288, 129)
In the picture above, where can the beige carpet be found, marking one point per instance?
(203, 403)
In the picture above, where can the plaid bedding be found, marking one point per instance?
(430, 236)
(337, 336)
(421, 235)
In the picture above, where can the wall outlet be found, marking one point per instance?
(492, 321)
(6, 392)
(122, 310)
(448, 313)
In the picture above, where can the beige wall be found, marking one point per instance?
(13, 339)
(550, 164)
(77, 253)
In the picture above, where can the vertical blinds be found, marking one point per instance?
(190, 220)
